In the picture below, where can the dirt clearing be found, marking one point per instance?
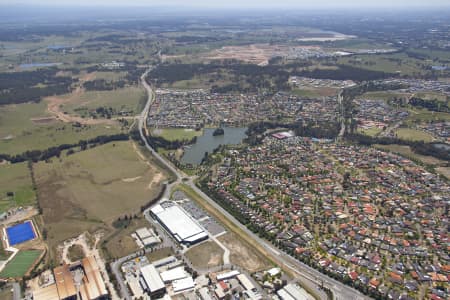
(242, 254)
(205, 255)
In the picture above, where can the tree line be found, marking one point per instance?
(42, 155)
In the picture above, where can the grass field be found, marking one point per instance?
(172, 134)
(384, 95)
(90, 189)
(407, 152)
(432, 96)
(423, 115)
(445, 171)
(121, 243)
(413, 135)
(315, 92)
(15, 178)
(205, 255)
(110, 76)
(159, 254)
(370, 131)
(390, 63)
(20, 264)
(19, 133)
(126, 99)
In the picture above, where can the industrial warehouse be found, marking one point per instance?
(80, 280)
(178, 223)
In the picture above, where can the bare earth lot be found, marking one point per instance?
(205, 255)
(242, 254)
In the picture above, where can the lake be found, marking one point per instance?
(38, 65)
(194, 154)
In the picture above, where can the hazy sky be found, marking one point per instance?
(243, 4)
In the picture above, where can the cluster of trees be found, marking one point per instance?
(225, 203)
(21, 87)
(155, 199)
(42, 155)
(325, 130)
(433, 105)
(344, 72)
(419, 147)
(159, 142)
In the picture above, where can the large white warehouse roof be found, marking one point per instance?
(179, 223)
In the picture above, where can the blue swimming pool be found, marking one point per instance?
(20, 233)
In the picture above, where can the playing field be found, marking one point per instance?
(20, 233)
(20, 264)
(172, 134)
(15, 186)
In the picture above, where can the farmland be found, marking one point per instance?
(15, 179)
(20, 264)
(126, 99)
(391, 63)
(90, 189)
(29, 126)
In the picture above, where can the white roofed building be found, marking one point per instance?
(184, 284)
(294, 292)
(173, 274)
(151, 281)
(178, 223)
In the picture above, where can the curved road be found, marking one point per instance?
(304, 272)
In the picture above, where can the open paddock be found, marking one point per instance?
(86, 191)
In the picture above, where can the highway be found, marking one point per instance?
(306, 274)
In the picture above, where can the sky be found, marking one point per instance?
(242, 4)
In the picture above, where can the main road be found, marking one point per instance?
(303, 272)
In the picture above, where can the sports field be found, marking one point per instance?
(172, 134)
(15, 186)
(20, 264)
(20, 233)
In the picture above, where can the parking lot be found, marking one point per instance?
(209, 223)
